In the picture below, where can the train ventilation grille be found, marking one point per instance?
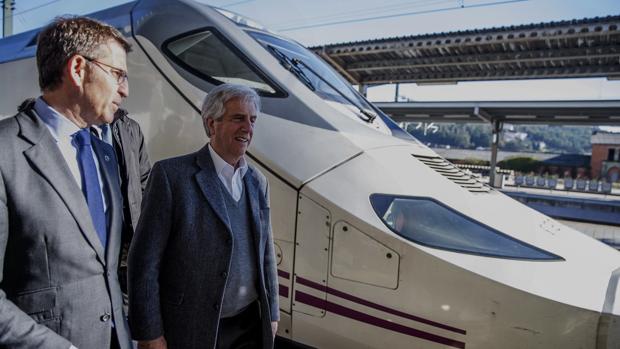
(453, 173)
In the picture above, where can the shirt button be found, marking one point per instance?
(224, 274)
(216, 306)
(105, 317)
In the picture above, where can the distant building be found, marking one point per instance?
(605, 162)
(567, 165)
(540, 146)
(514, 136)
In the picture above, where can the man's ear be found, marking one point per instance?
(211, 126)
(75, 70)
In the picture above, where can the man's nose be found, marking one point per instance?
(123, 89)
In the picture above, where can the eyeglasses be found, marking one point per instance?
(118, 74)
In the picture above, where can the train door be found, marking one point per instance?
(311, 263)
(283, 202)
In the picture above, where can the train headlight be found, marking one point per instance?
(430, 223)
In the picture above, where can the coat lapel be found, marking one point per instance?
(46, 158)
(208, 182)
(251, 187)
(108, 166)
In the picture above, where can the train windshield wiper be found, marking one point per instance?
(367, 115)
(287, 63)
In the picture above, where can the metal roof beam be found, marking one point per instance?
(483, 114)
(594, 27)
(498, 74)
(514, 112)
(338, 67)
(610, 53)
(568, 49)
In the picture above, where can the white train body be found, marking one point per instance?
(478, 270)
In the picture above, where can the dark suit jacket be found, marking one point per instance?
(180, 255)
(57, 283)
(134, 164)
(134, 169)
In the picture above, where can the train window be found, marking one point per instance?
(207, 56)
(311, 70)
(430, 223)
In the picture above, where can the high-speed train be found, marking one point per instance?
(381, 243)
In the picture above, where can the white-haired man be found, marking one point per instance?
(202, 271)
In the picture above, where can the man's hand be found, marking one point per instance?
(274, 328)
(157, 343)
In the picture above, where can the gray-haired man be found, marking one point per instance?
(202, 271)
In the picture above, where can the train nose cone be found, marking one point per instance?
(609, 323)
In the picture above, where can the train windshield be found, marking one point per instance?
(430, 223)
(208, 56)
(312, 71)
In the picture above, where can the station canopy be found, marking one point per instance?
(586, 48)
(598, 112)
(564, 49)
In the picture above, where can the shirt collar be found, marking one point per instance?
(59, 126)
(224, 168)
(103, 132)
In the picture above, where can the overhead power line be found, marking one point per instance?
(34, 8)
(362, 11)
(357, 20)
(235, 3)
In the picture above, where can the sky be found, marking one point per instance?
(320, 22)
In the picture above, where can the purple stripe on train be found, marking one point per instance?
(283, 274)
(375, 321)
(369, 304)
(283, 290)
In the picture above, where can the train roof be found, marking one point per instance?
(23, 45)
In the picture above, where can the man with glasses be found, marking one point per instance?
(118, 74)
(60, 198)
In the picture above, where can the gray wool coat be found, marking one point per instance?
(58, 285)
(180, 255)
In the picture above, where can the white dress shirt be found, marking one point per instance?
(229, 176)
(103, 132)
(62, 131)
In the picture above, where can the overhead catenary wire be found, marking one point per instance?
(357, 20)
(235, 3)
(373, 10)
(33, 8)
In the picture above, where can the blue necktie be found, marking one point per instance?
(90, 183)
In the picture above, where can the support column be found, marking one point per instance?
(396, 92)
(497, 129)
(496, 126)
(363, 89)
(7, 15)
